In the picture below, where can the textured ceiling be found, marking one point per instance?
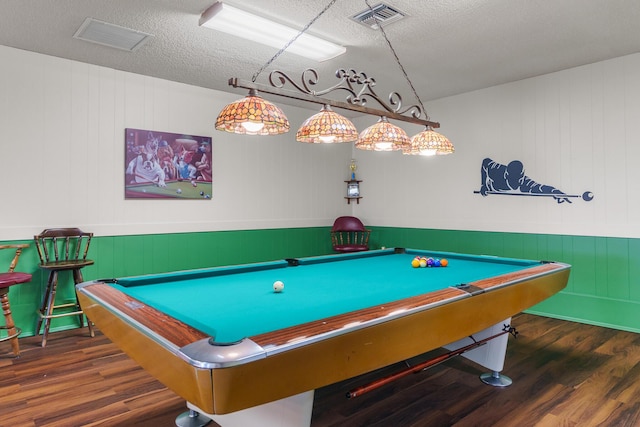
(446, 46)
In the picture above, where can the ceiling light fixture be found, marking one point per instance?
(429, 143)
(222, 17)
(252, 115)
(328, 126)
(383, 136)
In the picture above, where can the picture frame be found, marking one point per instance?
(165, 165)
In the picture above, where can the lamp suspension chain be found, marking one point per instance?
(406, 76)
(286, 46)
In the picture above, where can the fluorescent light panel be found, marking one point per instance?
(236, 22)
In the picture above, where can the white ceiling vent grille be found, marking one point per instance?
(111, 35)
(382, 14)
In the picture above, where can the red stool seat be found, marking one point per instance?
(15, 278)
(349, 234)
(7, 280)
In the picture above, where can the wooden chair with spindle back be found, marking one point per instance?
(8, 279)
(349, 234)
(61, 249)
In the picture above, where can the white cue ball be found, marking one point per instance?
(278, 286)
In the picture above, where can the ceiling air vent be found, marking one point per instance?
(380, 14)
(111, 35)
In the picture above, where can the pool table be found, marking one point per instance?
(183, 189)
(234, 349)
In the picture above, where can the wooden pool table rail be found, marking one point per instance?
(178, 334)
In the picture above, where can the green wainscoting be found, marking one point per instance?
(603, 289)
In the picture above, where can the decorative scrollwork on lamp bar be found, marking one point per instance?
(358, 86)
(355, 101)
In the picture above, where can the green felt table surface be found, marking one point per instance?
(231, 303)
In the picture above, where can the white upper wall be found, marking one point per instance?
(62, 137)
(576, 130)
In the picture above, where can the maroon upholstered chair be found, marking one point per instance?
(6, 281)
(349, 234)
(61, 249)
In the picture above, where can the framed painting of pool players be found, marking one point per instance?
(164, 165)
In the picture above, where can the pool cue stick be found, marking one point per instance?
(585, 196)
(137, 175)
(420, 366)
(146, 180)
(507, 193)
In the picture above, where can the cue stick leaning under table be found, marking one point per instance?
(425, 365)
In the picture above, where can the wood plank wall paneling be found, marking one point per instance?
(603, 288)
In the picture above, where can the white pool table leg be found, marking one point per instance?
(294, 411)
(491, 355)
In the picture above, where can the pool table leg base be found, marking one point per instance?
(490, 355)
(495, 379)
(192, 418)
(293, 411)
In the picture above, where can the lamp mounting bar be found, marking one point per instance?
(359, 90)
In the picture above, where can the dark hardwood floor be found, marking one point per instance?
(564, 373)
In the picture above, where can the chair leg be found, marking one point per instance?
(77, 278)
(10, 326)
(48, 303)
(43, 305)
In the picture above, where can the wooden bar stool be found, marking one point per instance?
(61, 249)
(6, 281)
